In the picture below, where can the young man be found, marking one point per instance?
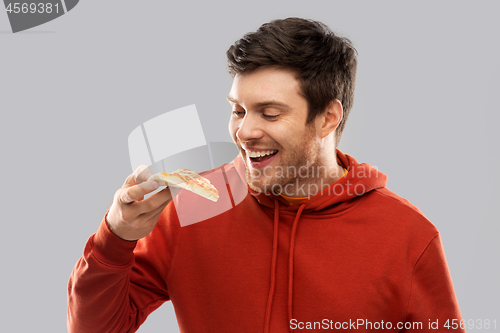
(315, 243)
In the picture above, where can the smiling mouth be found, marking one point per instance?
(260, 156)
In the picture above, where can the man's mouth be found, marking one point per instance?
(260, 156)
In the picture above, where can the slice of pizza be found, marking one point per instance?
(188, 180)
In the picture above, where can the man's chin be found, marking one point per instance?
(259, 187)
(259, 182)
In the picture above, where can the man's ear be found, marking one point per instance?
(330, 118)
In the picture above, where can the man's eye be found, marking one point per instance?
(238, 114)
(268, 116)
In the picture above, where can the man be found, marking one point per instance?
(316, 242)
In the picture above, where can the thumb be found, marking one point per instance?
(140, 175)
(137, 192)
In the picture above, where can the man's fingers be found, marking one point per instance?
(140, 175)
(151, 204)
(137, 192)
(155, 214)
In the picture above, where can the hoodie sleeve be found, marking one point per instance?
(111, 288)
(432, 297)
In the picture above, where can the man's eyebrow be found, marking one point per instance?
(262, 104)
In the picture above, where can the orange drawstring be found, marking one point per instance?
(267, 324)
(290, 264)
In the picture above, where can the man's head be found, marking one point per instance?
(324, 63)
(291, 81)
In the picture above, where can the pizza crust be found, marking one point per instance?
(189, 180)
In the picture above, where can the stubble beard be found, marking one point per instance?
(274, 179)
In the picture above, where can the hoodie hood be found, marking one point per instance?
(360, 179)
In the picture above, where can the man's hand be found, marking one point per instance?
(132, 217)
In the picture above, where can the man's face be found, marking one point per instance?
(269, 119)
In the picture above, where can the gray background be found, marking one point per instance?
(72, 90)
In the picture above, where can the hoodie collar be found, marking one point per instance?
(360, 179)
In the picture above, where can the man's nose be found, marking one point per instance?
(249, 129)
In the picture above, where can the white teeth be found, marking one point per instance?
(260, 153)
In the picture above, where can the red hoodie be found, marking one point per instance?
(355, 256)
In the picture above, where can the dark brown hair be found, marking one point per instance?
(324, 63)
